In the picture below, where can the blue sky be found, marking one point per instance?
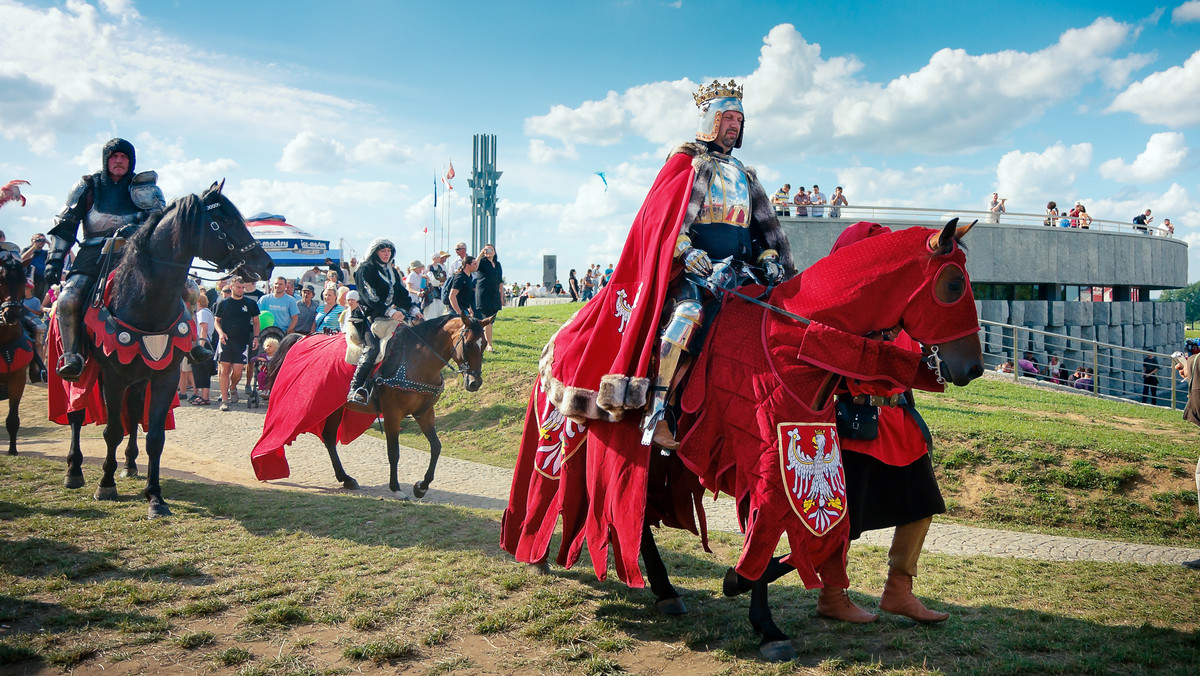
(339, 115)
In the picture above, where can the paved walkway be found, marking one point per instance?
(229, 437)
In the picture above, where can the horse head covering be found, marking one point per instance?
(869, 253)
(377, 244)
(118, 145)
(714, 99)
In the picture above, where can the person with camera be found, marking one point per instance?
(1186, 366)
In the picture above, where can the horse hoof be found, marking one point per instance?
(418, 491)
(671, 606)
(399, 495)
(74, 481)
(106, 493)
(732, 584)
(542, 568)
(777, 651)
(129, 473)
(350, 484)
(158, 509)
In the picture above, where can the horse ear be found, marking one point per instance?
(219, 187)
(943, 239)
(964, 229)
(488, 321)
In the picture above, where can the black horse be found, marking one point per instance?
(16, 346)
(147, 289)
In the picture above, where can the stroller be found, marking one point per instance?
(257, 364)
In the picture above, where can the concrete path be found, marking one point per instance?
(217, 445)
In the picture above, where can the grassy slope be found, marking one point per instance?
(255, 581)
(1007, 455)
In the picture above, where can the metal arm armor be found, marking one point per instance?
(66, 223)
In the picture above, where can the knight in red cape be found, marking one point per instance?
(704, 206)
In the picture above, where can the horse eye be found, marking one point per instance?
(950, 285)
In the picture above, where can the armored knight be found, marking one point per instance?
(110, 205)
(727, 228)
(382, 295)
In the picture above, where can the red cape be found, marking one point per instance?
(86, 395)
(612, 337)
(900, 441)
(310, 386)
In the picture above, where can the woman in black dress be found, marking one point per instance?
(488, 296)
(573, 287)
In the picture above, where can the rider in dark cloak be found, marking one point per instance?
(381, 295)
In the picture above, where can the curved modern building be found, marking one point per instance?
(1091, 284)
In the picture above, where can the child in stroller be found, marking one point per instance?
(256, 390)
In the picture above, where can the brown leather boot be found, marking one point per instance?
(898, 598)
(835, 604)
(902, 567)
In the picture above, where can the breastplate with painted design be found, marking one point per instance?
(98, 223)
(728, 198)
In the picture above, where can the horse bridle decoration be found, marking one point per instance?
(463, 367)
(15, 295)
(231, 250)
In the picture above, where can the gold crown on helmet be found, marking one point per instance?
(717, 90)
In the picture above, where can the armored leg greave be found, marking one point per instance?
(69, 315)
(677, 337)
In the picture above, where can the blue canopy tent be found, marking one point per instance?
(288, 245)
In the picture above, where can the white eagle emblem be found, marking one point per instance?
(556, 433)
(814, 481)
(624, 309)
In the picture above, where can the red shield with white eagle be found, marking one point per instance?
(558, 437)
(810, 463)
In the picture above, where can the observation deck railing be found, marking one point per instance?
(1116, 371)
(886, 214)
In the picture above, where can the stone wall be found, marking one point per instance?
(1149, 326)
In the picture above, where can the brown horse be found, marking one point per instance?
(16, 346)
(408, 383)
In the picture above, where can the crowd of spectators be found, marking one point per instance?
(809, 204)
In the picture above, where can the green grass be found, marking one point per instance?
(290, 582)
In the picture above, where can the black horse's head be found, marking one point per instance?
(12, 288)
(227, 242)
(468, 350)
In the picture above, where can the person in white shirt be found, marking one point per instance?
(416, 282)
(995, 208)
(438, 277)
(815, 198)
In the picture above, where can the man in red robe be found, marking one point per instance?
(615, 355)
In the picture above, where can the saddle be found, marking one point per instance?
(383, 328)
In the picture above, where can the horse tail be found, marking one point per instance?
(276, 361)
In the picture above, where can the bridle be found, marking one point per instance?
(9, 264)
(463, 367)
(232, 251)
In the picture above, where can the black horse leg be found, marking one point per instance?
(75, 452)
(135, 406)
(13, 422)
(163, 386)
(425, 420)
(391, 430)
(668, 602)
(735, 584)
(329, 436)
(775, 645)
(114, 433)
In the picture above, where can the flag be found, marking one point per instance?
(602, 178)
(426, 230)
(435, 192)
(450, 174)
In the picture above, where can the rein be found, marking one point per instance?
(226, 263)
(463, 367)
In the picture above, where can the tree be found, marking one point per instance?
(1189, 295)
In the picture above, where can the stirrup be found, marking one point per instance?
(359, 396)
(70, 366)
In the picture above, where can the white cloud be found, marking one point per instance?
(319, 208)
(68, 68)
(1031, 179)
(541, 153)
(797, 100)
(1167, 97)
(1187, 12)
(920, 186)
(377, 152)
(1164, 154)
(312, 154)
